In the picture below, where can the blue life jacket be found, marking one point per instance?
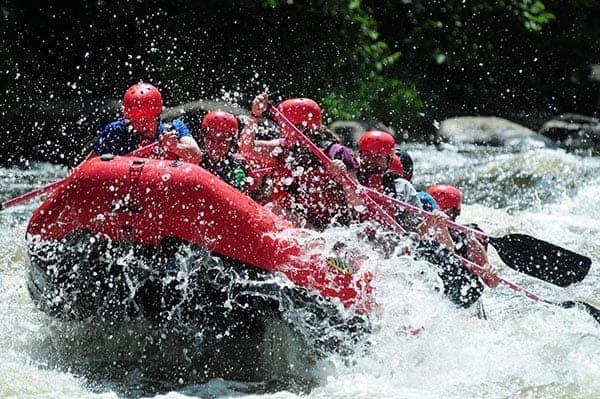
(119, 137)
(428, 202)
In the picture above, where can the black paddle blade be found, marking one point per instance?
(593, 311)
(541, 259)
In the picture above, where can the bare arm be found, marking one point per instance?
(477, 253)
(248, 136)
(185, 148)
(435, 228)
(188, 150)
(250, 148)
(338, 169)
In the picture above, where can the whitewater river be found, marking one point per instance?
(524, 350)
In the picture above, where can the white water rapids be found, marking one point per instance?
(525, 349)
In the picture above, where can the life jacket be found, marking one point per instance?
(302, 185)
(130, 136)
(374, 181)
(229, 169)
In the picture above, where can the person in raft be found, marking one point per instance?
(449, 199)
(380, 170)
(304, 190)
(432, 242)
(427, 201)
(141, 125)
(218, 137)
(395, 185)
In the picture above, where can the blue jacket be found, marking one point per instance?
(428, 202)
(119, 138)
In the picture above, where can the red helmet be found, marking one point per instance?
(219, 121)
(377, 141)
(141, 101)
(446, 196)
(396, 165)
(301, 111)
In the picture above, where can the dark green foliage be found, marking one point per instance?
(388, 100)
(519, 59)
(403, 62)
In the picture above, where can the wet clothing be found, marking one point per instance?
(461, 245)
(428, 201)
(343, 153)
(230, 170)
(302, 185)
(374, 181)
(402, 189)
(461, 240)
(461, 286)
(119, 137)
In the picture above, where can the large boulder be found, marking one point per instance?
(490, 130)
(574, 132)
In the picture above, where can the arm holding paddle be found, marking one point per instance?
(526, 254)
(184, 147)
(249, 147)
(435, 227)
(369, 195)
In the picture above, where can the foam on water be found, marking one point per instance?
(525, 349)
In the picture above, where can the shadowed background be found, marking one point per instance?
(405, 64)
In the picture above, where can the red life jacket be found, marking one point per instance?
(302, 186)
(373, 181)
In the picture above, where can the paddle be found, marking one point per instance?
(473, 267)
(520, 252)
(50, 187)
(373, 206)
(593, 311)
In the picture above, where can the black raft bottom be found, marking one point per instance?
(85, 278)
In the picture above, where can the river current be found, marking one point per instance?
(524, 350)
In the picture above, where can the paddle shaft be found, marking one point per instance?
(371, 204)
(366, 193)
(593, 311)
(30, 195)
(421, 212)
(52, 186)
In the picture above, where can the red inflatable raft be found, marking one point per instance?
(108, 238)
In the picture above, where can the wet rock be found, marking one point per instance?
(574, 132)
(493, 131)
